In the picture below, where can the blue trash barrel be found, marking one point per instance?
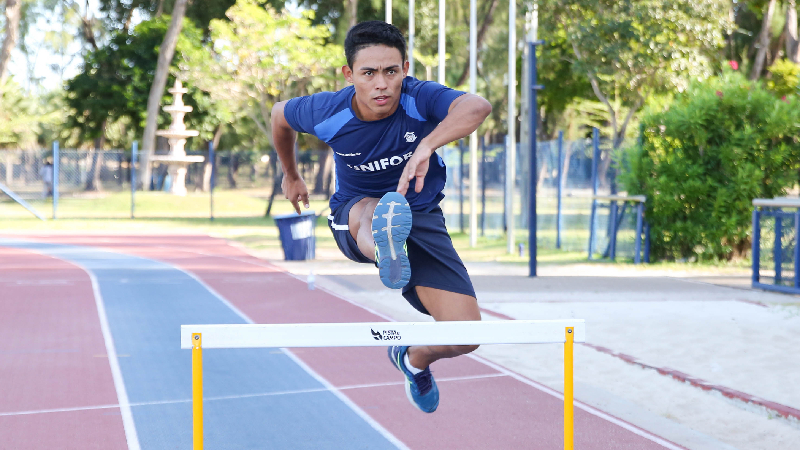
(297, 235)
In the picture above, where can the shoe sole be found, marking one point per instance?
(391, 224)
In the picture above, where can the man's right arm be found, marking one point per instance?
(283, 136)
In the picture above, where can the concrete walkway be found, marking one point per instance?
(707, 366)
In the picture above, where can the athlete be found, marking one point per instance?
(384, 130)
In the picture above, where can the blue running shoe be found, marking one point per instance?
(391, 224)
(421, 388)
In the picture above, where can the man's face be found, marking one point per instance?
(377, 76)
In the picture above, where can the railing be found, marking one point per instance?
(615, 217)
(781, 254)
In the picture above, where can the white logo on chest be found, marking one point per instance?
(410, 136)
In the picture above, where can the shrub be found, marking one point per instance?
(700, 163)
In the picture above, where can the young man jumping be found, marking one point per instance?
(384, 130)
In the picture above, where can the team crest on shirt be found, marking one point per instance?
(410, 136)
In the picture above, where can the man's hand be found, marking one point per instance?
(294, 189)
(416, 167)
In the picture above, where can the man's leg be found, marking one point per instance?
(443, 306)
(360, 223)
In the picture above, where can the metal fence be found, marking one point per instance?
(775, 246)
(564, 195)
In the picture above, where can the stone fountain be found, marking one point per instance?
(176, 159)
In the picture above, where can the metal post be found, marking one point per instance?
(511, 137)
(756, 245)
(197, 390)
(569, 413)
(646, 242)
(559, 217)
(440, 78)
(473, 138)
(411, 31)
(461, 185)
(213, 159)
(612, 230)
(593, 214)
(637, 252)
(777, 251)
(533, 116)
(388, 11)
(797, 249)
(483, 186)
(134, 156)
(56, 170)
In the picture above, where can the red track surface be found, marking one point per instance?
(492, 412)
(52, 357)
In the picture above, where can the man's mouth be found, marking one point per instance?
(382, 100)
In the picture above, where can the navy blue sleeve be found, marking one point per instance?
(434, 100)
(298, 114)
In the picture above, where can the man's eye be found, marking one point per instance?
(392, 72)
(368, 73)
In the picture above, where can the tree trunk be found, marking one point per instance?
(323, 169)
(12, 33)
(165, 54)
(487, 20)
(207, 166)
(93, 177)
(762, 42)
(352, 11)
(233, 167)
(792, 42)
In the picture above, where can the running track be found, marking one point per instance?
(89, 344)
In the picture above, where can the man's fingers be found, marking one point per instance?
(420, 182)
(304, 198)
(402, 185)
(296, 205)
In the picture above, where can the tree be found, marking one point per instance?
(165, 53)
(12, 13)
(630, 50)
(260, 57)
(763, 41)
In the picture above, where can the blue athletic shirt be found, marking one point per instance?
(370, 156)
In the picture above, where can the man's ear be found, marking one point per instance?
(348, 73)
(405, 68)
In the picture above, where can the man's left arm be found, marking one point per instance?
(465, 114)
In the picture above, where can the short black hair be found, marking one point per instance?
(373, 32)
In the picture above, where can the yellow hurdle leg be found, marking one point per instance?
(197, 389)
(569, 426)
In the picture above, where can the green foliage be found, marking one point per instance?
(19, 122)
(258, 57)
(115, 83)
(785, 78)
(721, 144)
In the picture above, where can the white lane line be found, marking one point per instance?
(113, 361)
(243, 396)
(372, 422)
(119, 384)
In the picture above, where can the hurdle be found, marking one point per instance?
(382, 334)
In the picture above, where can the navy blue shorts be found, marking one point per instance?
(434, 261)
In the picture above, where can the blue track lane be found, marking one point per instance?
(146, 301)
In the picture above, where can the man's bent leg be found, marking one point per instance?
(360, 222)
(443, 306)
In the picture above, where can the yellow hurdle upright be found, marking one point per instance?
(381, 334)
(569, 422)
(197, 390)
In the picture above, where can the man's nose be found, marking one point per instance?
(380, 82)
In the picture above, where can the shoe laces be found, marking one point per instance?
(424, 381)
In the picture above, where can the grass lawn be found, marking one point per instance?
(239, 216)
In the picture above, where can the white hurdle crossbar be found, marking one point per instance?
(382, 334)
